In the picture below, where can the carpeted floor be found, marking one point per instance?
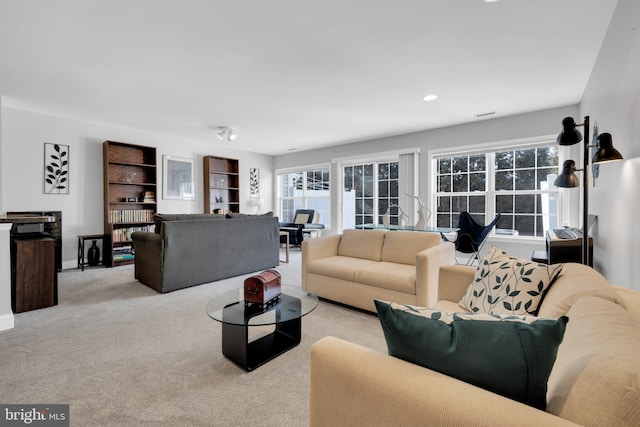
(123, 355)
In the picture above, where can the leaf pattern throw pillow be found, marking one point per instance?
(508, 285)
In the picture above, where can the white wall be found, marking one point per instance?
(1, 157)
(533, 124)
(612, 100)
(23, 135)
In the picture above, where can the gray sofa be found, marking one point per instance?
(191, 249)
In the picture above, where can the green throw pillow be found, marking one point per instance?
(508, 355)
(508, 285)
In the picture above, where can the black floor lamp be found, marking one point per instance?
(567, 177)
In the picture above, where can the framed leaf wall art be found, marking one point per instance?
(254, 182)
(56, 169)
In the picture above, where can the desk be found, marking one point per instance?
(567, 250)
(444, 230)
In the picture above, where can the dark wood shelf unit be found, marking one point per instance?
(221, 184)
(130, 171)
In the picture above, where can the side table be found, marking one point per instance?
(83, 238)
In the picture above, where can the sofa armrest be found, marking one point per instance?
(428, 263)
(148, 258)
(320, 247)
(454, 281)
(351, 385)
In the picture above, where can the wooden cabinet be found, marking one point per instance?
(34, 274)
(221, 184)
(130, 176)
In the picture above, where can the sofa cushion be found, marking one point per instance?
(506, 354)
(596, 377)
(402, 246)
(509, 285)
(387, 275)
(631, 300)
(365, 244)
(339, 267)
(232, 215)
(159, 218)
(574, 282)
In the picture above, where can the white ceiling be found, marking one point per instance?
(295, 74)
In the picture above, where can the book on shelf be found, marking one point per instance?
(149, 197)
(124, 234)
(120, 216)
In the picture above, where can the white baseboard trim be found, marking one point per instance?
(6, 321)
(69, 265)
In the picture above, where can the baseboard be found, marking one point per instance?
(6, 321)
(69, 265)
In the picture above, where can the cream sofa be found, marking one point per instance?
(358, 266)
(595, 380)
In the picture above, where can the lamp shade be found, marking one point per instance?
(567, 178)
(605, 151)
(569, 135)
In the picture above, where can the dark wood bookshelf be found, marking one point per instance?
(130, 172)
(221, 184)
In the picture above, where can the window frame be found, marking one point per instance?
(304, 170)
(376, 157)
(375, 188)
(490, 193)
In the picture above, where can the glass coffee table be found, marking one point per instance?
(236, 318)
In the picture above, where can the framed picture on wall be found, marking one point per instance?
(254, 183)
(178, 178)
(56, 169)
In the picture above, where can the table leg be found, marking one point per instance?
(286, 245)
(81, 253)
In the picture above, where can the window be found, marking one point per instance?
(517, 182)
(307, 189)
(369, 190)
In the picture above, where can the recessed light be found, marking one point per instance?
(430, 97)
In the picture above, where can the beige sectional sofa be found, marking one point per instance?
(595, 380)
(358, 266)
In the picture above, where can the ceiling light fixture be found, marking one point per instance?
(227, 133)
(430, 97)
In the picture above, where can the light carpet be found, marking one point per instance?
(121, 354)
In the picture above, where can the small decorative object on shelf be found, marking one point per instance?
(149, 197)
(93, 255)
(263, 289)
